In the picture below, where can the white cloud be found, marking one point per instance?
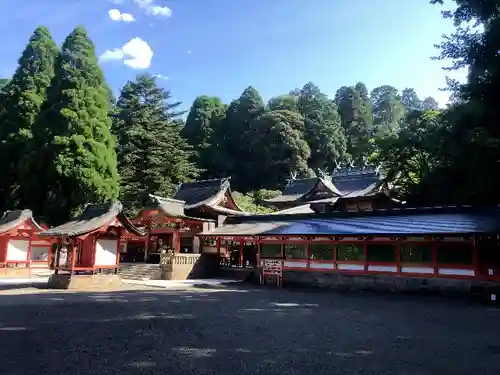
(152, 9)
(136, 54)
(189, 51)
(160, 76)
(116, 15)
(115, 54)
(117, 1)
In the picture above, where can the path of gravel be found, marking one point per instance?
(242, 330)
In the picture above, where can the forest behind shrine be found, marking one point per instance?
(65, 140)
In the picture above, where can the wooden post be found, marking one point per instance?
(476, 257)
(365, 257)
(73, 256)
(435, 259)
(241, 252)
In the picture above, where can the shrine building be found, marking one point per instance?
(20, 245)
(396, 248)
(348, 189)
(90, 243)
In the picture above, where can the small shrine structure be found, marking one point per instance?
(89, 243)
(20, 245)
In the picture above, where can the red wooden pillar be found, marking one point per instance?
(365, 257)
(477, 271)
(28, 256)
(308, 255)
(73, 256)
(435, 259)
(242, 241)
(335, 256)
(398, 258)
(176, 239)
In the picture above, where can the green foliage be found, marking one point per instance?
(203, 130)
(356, 117)
(323, 130)
(21, 100)
(279, 147)
(74, 152)
(249, 202)
(284, 102)
(236, 136)
(153, 157)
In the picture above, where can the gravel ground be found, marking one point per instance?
(240, 330)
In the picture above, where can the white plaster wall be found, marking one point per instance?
(17, 250)
(105, 252)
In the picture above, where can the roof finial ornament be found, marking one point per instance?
(321, 173)
(351, 165)
(366, 162)
(377, 169)
(293, 175)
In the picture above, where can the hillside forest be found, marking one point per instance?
(65, 140)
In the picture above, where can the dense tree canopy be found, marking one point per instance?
(74, 154)
(59, 152)
(153, 158)
(23, 96)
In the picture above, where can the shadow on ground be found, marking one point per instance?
(245, 330)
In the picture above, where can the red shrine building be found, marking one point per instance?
(20, 244)
(402, 247)
(173, 223)
(91, 242)
(348, 189)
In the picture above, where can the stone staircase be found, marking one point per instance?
(139, 271)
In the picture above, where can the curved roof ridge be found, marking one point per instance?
(12, 219)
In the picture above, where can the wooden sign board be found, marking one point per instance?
(272, 267)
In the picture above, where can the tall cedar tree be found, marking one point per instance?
(22, 97)
(203, 132)
(75, 147)
(323, 130)
(387, 110)
(279, 137)
(355, 114)
(153, 157)
(239, 154)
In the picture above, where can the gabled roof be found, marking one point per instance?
(203, 193)
(170, 207)
(297, 189)
(433, 220)
(94, 216)
(357, 182)
(12, 219)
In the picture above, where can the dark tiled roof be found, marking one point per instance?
(12, 219)
(201, 193)
(94, 217)
(357, 185)
(170, 207)
(394, 222)
(297, 189)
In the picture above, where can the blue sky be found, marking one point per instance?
(219, 47)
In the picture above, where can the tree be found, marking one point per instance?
(429, 103)
(410, 100)
(323, 130)
(356, 120)
(153, 158)
(279, 137)
(73, 160)
(387, 109)
(472, 144)
(409, 157)
(203, 132)
(235, 145)
(21, 101)
(283, 102)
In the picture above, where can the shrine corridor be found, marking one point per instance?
(245, 331)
